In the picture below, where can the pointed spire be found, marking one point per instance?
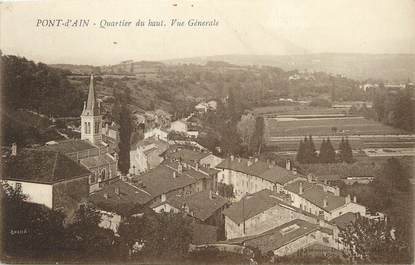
(91, 105)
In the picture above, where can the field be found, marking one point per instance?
(327, 127)
(297, 110)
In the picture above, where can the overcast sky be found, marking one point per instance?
(245, 27)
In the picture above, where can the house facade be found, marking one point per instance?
(260, 212)
(48, 178)
(252, 175)
(146, 155)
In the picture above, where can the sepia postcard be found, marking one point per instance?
(207, 132)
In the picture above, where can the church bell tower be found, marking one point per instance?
(91, 118)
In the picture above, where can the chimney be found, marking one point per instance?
(354, 199)
(249, 162)
(106, 196)
(174, 174)
(163, 197)
(301, 188)
(337, 191)
(288, 164)
(14, 149)
(179, 168)
(348, 198)
(197, 166)
(232, 157)
(325, 203)
(117, 190)
(186, 208)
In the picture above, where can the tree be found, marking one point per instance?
(226, 190)
(307, 151)
(258, 136)
(87, 238)
(246, 128)
(323, 155)
(331, 153)
(392, 176)
(29, 230)
(125, 138)
(345, 151)
(371, 241)
(300, 152)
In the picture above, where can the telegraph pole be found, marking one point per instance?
(243, 212)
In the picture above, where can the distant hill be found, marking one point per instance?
(392, 67)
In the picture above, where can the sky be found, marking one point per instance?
(262, 27)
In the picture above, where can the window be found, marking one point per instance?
(103, 174)
(88, 130)
(18, 186)
(85, 127)
(97, 124)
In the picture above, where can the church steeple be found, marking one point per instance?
(91, 119)
(91, 107)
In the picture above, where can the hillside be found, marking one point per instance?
(392, 67)
(154, 85)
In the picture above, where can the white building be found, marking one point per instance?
(179, 126)
(253, 175)
(146, 154)
(156, 133)
(48, 178)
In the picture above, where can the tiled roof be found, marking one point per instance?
(70, 146)
(272, 173)
(255, 204)
(162, 145)
(316, 195)
(41, 166)
(276, 238)
(97, 161)
(344, 220)
(209, 171)
(185, 155)
(160, 179)
(257, 168)
(199, 203)
(130, 198)
(190, 172)
(237, 164)
(279, 175)
(319, 248)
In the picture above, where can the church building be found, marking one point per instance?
(91, 151)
